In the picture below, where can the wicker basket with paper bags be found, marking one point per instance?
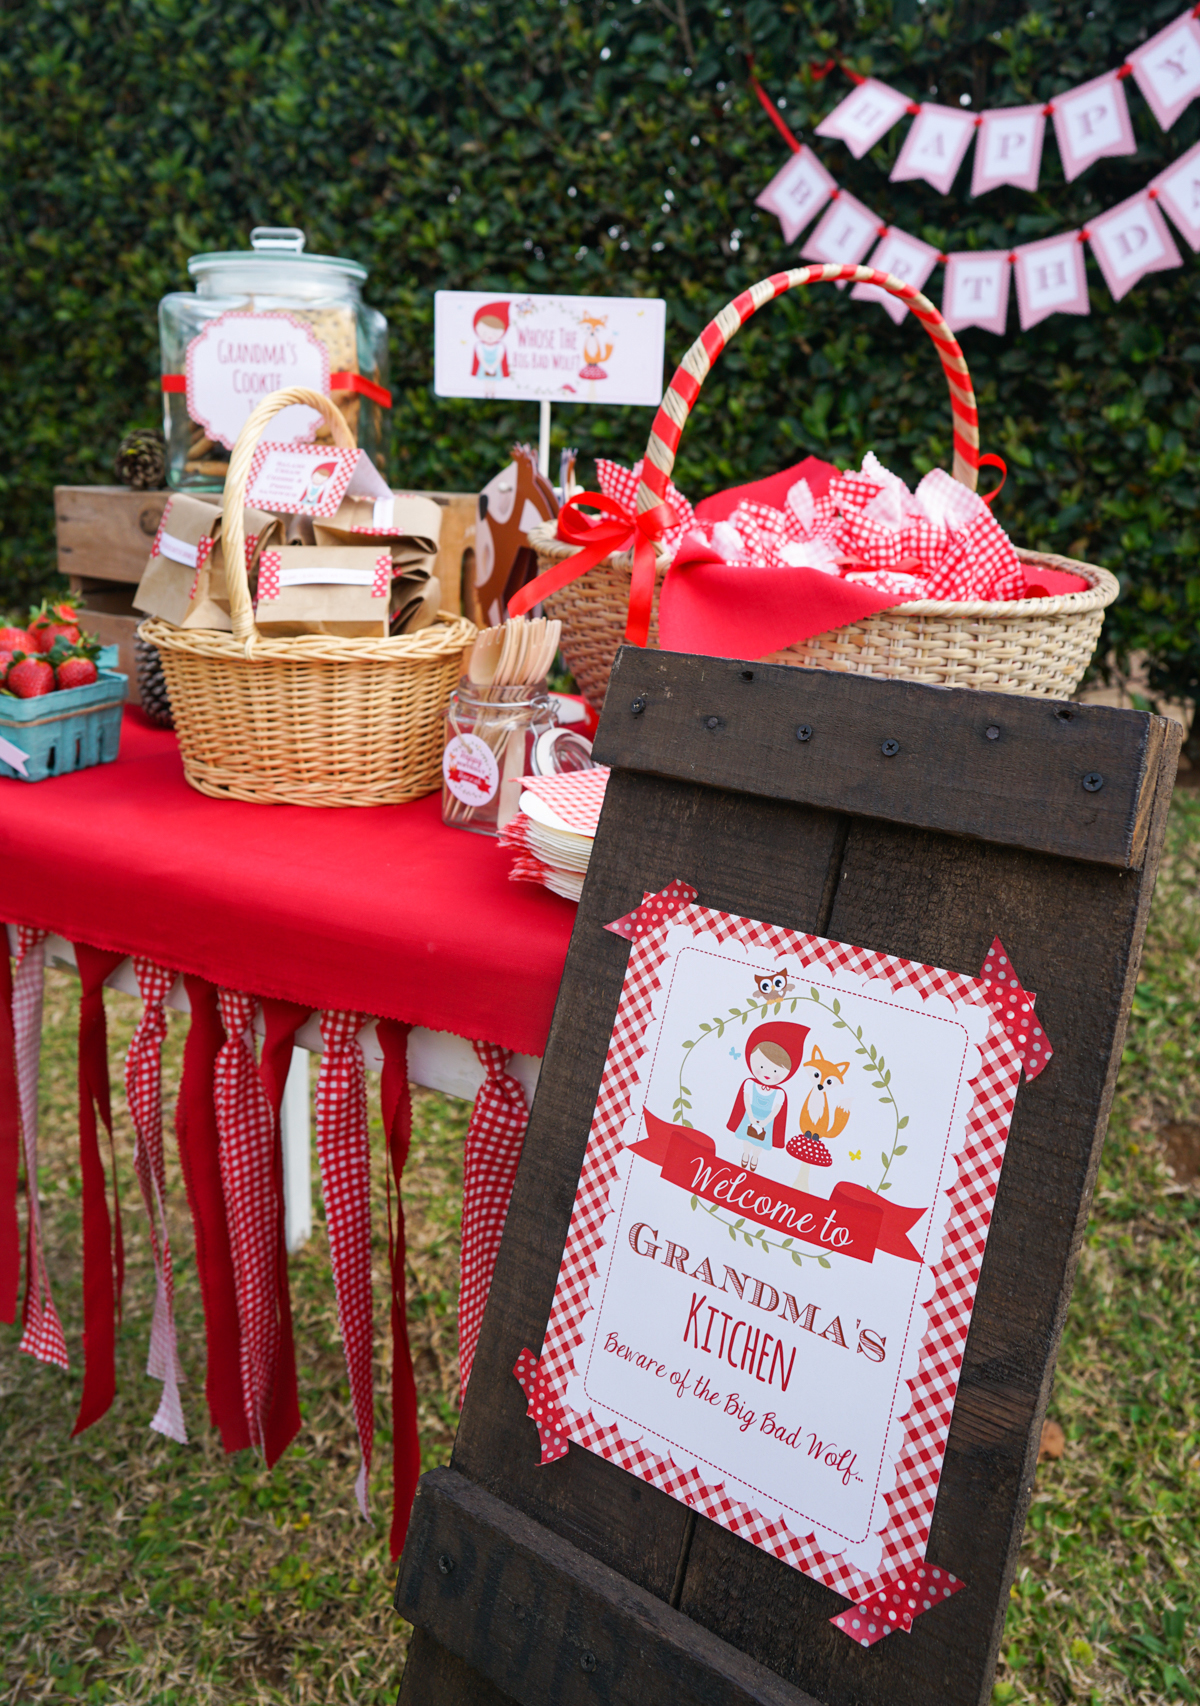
(611, 577)
(308, 719)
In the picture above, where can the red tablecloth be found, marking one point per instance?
(380, 910)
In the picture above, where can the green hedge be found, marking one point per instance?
(525, 144)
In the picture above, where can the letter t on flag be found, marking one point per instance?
(975, 290)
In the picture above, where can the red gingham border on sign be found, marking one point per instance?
(956, 1274)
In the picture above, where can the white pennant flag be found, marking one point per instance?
(866, 114)
(1092, 122)
(1008, 149)
(1051, 279)
(1167, 68)
(975, 290)
(1131, 240)
(844, 233)
(934, 147)
(797, 193)
(1179, 191)
(907, 259)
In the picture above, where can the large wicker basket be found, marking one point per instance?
(316, 720)
(1031, 645)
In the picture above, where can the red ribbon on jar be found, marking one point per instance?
(626, 530)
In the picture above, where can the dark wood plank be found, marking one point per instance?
(647, 837)
(434, 1676)
(546, 1623)
(1075, 934)
(105, 532)
(733, 725)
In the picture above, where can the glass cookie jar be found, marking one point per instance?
(261, 319)
(492, 734)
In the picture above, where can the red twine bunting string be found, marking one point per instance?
(344, 1149)
(624, 530)
(199, 1157)
(396, 1104)
(247, 1140)
(495, 1136)
(143, 1092)
(103, 1249)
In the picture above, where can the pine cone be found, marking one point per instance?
(141, 461)
(152, 686)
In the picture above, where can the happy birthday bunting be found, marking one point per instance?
(975, 290)
(934, 147)
(866, 115)
(796, 194)
(1008, 149)
(1091, 123)
(1051, 279)
(1130, 241)
(905, 258)
(1167, 69)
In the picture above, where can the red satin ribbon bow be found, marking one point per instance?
(599, 539)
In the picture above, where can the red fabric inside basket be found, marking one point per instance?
(721, 610)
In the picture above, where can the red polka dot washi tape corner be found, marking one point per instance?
(897, 1602)
(655, 910)
(543, 1409)
(1013, 1006)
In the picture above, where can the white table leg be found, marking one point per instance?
(297, 1153)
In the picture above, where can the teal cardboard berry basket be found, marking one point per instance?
(65, 731)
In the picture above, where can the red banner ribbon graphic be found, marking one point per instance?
(624, 531)
(852, 1221)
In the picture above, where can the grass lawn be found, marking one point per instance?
(133, 1569)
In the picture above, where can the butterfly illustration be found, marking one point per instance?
(856, 1155)
(772, 987)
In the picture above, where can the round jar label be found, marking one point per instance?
(470, 770)
(240, 358)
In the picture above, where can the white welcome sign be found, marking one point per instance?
(549, 349)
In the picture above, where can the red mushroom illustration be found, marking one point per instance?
(810, 1152)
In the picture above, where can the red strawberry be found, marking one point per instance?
(51, 621)
(14, 640)
(75, 672)
(29, 678)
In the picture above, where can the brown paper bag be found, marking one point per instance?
(209, 603)
(416, 600)
(402, 519)
(325, 589)
(165, 588)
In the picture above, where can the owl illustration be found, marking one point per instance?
(772, 986)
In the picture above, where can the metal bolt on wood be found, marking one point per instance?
(1093, 781)
(890, 748)
(638, 706)
(446, 1564)
(993, 732)
(804, 732)
(587, 1661)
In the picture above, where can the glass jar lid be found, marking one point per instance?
(275, 262)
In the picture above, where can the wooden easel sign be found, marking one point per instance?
(804, 1185)
(770, 1269)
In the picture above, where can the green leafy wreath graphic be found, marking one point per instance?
(874, 1064)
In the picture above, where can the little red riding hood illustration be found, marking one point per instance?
(773, 1053)
(490, 325)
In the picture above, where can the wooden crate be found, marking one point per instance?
(105, 534)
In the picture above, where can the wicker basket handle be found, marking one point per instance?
(233, 531)
(692, 371)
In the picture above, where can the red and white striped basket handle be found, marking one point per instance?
(692, 371)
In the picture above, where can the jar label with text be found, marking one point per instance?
(240, 358)
(470, 769)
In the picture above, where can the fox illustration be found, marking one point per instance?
(821, 1115)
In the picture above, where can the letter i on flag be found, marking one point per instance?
(845, 233)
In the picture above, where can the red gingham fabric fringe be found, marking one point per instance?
(396, 1104)
(343, 1146)
(10, 1146)
(493, 1149)
(103, 1247)
(247, 1144)
(143, 1092)
(42, 1335)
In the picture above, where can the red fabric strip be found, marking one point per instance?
(495, 1137)
(196, 1131)
(397, 1124)
(365, 387)
(175, 383)
(775, 116)
(103, 1251)
(10, 1147)
(281, 1021)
